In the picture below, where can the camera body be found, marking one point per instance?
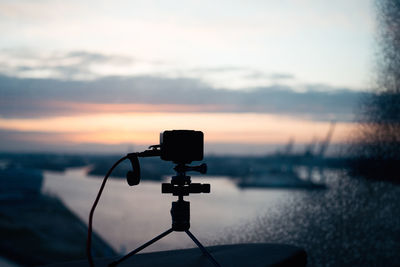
(182, 146)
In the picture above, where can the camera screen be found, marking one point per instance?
(182, 146)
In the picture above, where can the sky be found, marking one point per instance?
(109, 76)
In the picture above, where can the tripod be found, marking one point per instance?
(180, 186)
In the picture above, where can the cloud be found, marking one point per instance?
(84, 65)
(272, 76)
(236, 77)
(74, 65)
(22, 98)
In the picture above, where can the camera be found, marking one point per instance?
(182, 146)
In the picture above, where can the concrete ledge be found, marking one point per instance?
(226, 255)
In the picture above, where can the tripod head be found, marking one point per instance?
(181, 184)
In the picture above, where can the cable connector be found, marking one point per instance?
(148, 153)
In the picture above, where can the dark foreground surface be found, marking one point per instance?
(226, 255)
(40, 230)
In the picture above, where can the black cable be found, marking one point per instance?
(89, 237)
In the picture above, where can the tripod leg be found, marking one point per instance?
(203, 249)
(133, 252)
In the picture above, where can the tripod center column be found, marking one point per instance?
(180, 212)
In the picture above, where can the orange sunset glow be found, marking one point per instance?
(143, 127)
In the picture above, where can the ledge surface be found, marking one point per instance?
(227, 255)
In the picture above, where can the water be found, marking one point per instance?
(129, 216)
(354, 222)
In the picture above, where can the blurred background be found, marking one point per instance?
(298, 101)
